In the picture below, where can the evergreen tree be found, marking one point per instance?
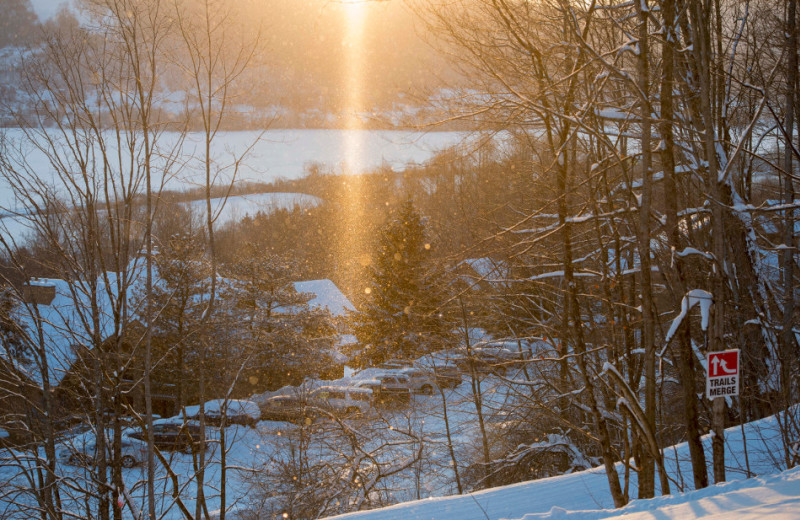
(283, 340)
(403, 316)
(12, 333)
(182, 272)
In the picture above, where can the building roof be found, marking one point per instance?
(326, 296)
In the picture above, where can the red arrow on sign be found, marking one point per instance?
(722, 364)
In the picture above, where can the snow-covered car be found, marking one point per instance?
(289, 408)
(396, 364)
(395, 386)
(342, 399)
(447, 376)
(175, 435)
(421, 381)
(491, 359)
(237, 411)
(81, 450)
(372, 384)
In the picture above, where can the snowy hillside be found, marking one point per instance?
(774, 496)
(584, 495)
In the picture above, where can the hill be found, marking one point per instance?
(584, 495)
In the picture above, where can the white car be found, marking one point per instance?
(343, 399)
(81, 450)
(422, 381)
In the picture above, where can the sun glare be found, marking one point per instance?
(354, 77)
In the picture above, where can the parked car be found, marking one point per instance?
(172, 435)
(447, 376)
(421, 380)
(395, 364)
(342, 399)
(237, 411)
(289, 408)
(372, 384)
(81, 450)
(490, 360)
(395, 386)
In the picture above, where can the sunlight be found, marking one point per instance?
(354, 64)
(353, 244)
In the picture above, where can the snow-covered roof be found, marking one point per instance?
(65, 324)
(326, 296)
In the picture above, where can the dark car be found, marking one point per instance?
(237, 411)
(175, 436)
(490, 360)
(288, 408)
(395, 389)
(447, 376)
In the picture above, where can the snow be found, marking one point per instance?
(614, 113)
(581, 494)
(584, 495)
(66, 321)
(62, 325)
(46, 9)
(326, 296)
(265, 157)
(687, 251)
(284, 154)
(775, 497)
(237, 207)
(694, 297)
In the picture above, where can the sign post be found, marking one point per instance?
(722, 374)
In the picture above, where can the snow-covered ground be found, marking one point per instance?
(776, 497)
(584, 495)
(235, 208)
(253, 452)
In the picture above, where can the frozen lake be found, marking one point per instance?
(263, 157)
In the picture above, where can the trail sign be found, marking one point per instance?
(722, 374)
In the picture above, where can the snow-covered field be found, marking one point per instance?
(775, 496)
(237, 207)
(271, 154)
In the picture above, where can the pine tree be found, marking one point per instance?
(283, 340)
(182, 272)
(403, 317)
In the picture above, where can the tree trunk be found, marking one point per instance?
(685, 355)
(647, 472)
(702, 42)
